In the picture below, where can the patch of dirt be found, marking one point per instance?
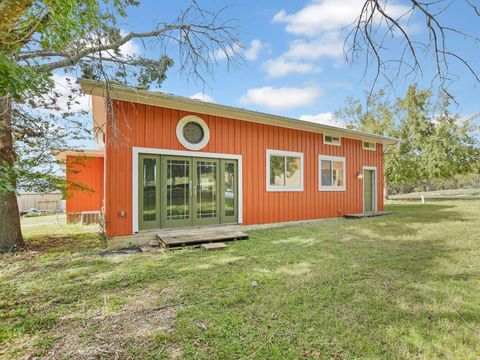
(46, 243)
(111, 336)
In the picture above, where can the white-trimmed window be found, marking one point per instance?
(331, 175)
(329, 139)
(284, 170)
(193, 132)
(368, 145)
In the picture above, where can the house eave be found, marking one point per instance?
(131, 94)
(62, 154)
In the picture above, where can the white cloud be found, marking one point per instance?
(131, 48)
(203, 97)
(281, 67)
(329, 45)
(281, 98)
(228, 52)
(329, 15)
(252, 52)
(64, 96)
(326, 118)
(324, 24)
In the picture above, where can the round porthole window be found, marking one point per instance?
(193, 132)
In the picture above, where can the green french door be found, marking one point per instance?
(149, 191)
(229, 191)
(177, 188)
(369, 191)
(206, 191)
(188, 191)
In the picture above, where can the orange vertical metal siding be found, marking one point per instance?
(87, 172)
(141, 125)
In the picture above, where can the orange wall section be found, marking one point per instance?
(139, 125)
(85, 171)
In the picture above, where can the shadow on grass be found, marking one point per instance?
(409, 219)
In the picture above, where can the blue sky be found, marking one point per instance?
(294, 63)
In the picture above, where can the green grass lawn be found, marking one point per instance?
(52, 225)
(440, 194)
(400, 286)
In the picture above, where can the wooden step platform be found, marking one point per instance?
(196, 238)
(367, 214)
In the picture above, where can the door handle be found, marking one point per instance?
(190, 188)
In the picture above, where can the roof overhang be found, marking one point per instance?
(62, 154)
(156, 98)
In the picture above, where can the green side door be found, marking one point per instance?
(149, 192)
(368, 190)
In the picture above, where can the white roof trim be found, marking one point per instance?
(126, 93)
(62, 155)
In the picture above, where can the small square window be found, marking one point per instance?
(368, 145)
(332, 173)
(284, 171)
(331, 140)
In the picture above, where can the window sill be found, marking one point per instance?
(331, 188)
(332, 144)
(284, 189)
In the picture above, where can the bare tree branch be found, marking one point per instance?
(375, 23)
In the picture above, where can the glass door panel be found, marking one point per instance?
(180, 191)
(149, 192)
(206, 191)
(177, 191)
(229, 189)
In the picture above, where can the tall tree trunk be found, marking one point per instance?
(10, 232)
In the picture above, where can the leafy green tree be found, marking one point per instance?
(377, 120)
(434, 143)
(452, 150)
(38, 38)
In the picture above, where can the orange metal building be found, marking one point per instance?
(170, 161)
(85, 183)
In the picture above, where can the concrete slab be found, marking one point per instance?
(190, 238)
(213, 246)
(367, 214)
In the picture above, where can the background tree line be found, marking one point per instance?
(438, 149)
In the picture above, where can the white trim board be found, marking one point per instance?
(325, 134)
(375, 203)
(154, 151)
(367, 148)
(272, 188)
(332, 158)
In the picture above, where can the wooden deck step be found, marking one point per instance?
(200, 237)
(367, 214)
